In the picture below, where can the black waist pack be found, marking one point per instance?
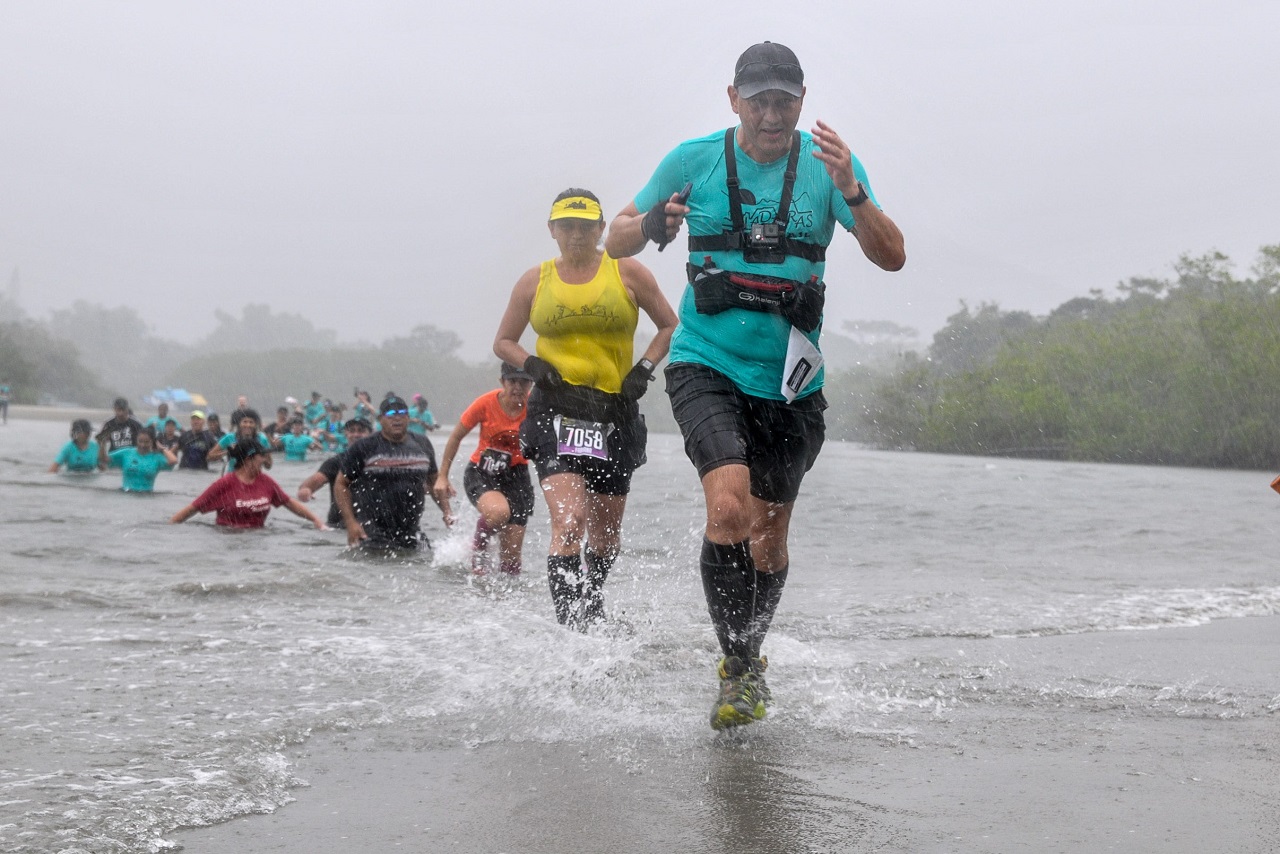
(800, 303)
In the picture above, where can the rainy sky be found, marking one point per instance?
(377, 165)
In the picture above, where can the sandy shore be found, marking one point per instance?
(1044, 774)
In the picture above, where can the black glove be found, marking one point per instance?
(543, 372)
(637, 380)
(654, 224)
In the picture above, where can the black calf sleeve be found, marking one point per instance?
(728, 581)
(598, 566)
(768, 594)
(565, 579)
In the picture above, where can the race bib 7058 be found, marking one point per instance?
(576, 438)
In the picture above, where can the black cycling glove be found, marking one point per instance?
(654, 224)
(637, 380)
(543, 372)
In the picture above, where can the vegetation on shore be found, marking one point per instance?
(1180, 371)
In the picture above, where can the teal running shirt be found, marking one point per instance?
(749, 347)
(77, 460)
(140, 470)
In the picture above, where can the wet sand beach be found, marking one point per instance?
(1056, 772)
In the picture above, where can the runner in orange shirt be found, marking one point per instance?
(496, 479)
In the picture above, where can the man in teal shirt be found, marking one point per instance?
(314, 411)
(745, 374)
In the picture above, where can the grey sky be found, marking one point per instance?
(377, 165)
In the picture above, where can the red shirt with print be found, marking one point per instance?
(240, 504)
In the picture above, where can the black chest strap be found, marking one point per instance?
(735, 239)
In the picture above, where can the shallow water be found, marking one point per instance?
(156, 676)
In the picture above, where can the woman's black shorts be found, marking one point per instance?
(514, 484)
(626, 437)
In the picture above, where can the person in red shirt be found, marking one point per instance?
(244, 497)
(496, 479)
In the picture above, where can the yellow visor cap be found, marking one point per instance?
(577, 207)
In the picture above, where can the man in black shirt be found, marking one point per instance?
(382, 488)
(194, 444)
(356, 429)
(121, 431)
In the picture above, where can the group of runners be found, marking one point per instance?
(761, 200)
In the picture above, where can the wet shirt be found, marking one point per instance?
(78, 460)
(296, 447)
(158, 423)
(314, 412)
(193, 449)
(140, 470)
(330, 468)
(499, 432)
(587, 331)
(229, 439)
(421, 420)
(119, 433)
(239, 504)
(387, 481)
(749, 347)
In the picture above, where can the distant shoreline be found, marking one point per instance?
(26, 412)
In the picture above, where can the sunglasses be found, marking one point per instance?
(396, 412)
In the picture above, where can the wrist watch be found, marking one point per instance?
(854, 201)
(647, 365)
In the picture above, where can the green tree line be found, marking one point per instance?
(1180, 371)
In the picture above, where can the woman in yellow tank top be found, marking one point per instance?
(583, 429)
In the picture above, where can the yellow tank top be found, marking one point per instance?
(586, 331)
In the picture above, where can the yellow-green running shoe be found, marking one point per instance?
(744, 695)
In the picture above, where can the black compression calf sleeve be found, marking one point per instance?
(598, 566)
(768, 593)
(728, 581)
(565, 578)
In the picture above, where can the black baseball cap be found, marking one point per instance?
(511, 372)
(244, 449)
(768, 66)
(392, 402)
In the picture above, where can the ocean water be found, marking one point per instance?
(154, 677)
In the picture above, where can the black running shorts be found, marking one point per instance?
(627, 437)
(777, 441)
(514, 484)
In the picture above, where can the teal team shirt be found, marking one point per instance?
(158, 423)
(749, 347)
(77, 460)
(295, 447)
(229, 439)
(140, 470)
(420, 420)
(314, 412)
